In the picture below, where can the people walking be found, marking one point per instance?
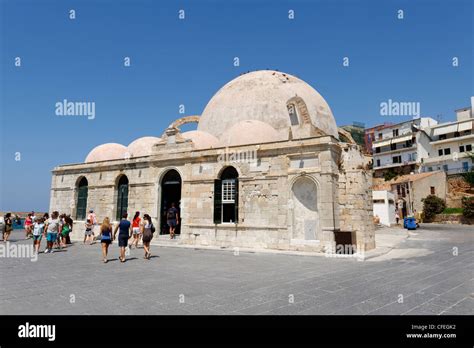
(106, 238)
(52, 229)
(93, 219)
(125, 233)
(65, 230)
(147, 230)
(397, 216)
(28, 226)
(136, 230)
(88, 234)
(8, 226)
(38, 231)
(172, 218)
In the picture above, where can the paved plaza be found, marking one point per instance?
(430, 272)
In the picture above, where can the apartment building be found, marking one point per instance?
(400, 147)
(451, 143)
(370, 136)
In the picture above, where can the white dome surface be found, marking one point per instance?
(142, 146)
(201, 140)
(263, 96)
(106, 152)
(249, 132)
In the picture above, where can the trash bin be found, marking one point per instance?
(409, 223)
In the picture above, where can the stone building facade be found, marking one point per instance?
(265, 169)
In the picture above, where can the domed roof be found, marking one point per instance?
(201, 140)
(106, 152)
(142, 146)
(263, 96)
(249, 132)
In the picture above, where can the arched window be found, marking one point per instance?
(122, 196)
(293, 113)
(81, 206)
(226, 197)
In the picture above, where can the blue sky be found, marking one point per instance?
(186, 61)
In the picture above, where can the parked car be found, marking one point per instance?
(410, 223)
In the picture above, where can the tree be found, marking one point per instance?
(433, 205)
(389, 175)
(469, 176)
(468, 207)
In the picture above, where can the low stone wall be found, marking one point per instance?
(452, 219)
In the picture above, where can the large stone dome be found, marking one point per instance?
(263, 96)
(201, 140)
(142, 146)
(249, 132)
(106, 152)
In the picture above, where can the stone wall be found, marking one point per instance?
(355, 198)
(457, 188)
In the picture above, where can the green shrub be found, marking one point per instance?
(453, 211)
(468, 207)
(469, 177)
(389, 175)
(433, 205)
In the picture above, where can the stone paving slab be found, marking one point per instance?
(420, 267)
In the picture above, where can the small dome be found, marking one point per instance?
(201, 140)
(142, 146)
(249, 132)
(264, 96)
(106, 152)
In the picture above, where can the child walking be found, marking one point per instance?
(88, 235)
(38, 231)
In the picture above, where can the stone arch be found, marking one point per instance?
(345, 134)
(304, 208)
(301, 108)
(225, 167)
(184, 120)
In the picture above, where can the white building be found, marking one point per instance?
(400, 148)
(384, 207)
(451, 143)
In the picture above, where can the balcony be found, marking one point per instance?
(394, 165)
(453, 139)
(444, 158)
(387, 152)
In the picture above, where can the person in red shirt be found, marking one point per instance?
(136, 231)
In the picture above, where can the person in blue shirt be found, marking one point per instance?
(125, 233)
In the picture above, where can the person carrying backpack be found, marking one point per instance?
(172, 219)
(147, 230)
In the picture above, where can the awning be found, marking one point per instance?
(402, 139)
(465, 126)
(445, 129)
(382, 143)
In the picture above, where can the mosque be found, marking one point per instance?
(267, 168)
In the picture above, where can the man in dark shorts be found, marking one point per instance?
(172, 219)
(125, 233)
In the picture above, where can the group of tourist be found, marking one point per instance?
(57, 228)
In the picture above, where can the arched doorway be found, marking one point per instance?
(81, 205)
(170, 193)
(305, 209)
(122, 196)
